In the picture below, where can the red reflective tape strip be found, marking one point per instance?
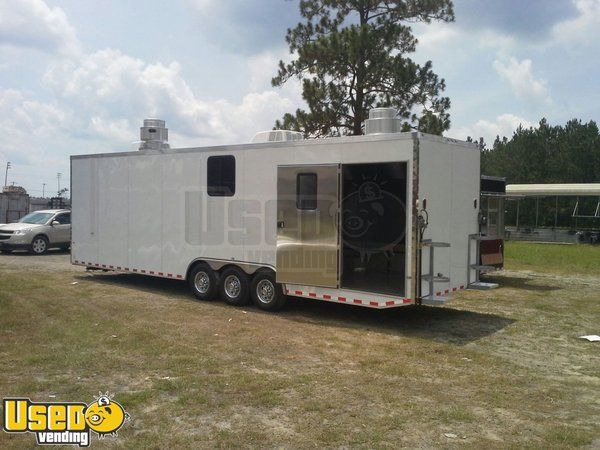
(142, 271)
(312, 294)
(97, 265)
(151, 272)
(341, 299)
(439, 294)
(373, 303)
(118, 268)
(446, 291)
(462, 286)
(454, 289)
(327, 297)
(180, 277)
(135, 270)
(126, 268)
(170, 275)
(407, 300)
(298, 292)
(161, 274)
(390, 303)
(358, 302)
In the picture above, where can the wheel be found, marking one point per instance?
(266, 293)
(39, 245)
(203, 282)
(235, 287)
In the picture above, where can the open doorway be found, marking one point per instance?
(374, 227)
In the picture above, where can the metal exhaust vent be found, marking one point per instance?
(154, 135)
(383, 120)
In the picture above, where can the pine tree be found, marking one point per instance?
(351, 56)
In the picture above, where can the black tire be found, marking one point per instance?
(203, 282)
(39, 245)
(266, 293)
(234, 287)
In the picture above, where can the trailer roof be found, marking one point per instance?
(562, 190)
(304, 142)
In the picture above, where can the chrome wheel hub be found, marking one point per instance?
(233, 286)
(202, 282)
(39, 246)
(265, 291)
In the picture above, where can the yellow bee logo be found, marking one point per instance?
(105, 416)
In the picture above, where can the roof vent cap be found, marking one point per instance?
(383, 120)
(277, 136)
(154, 135)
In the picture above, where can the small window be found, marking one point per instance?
(306, 191)
(63, 219)
(221, 176)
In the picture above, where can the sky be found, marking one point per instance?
(78, 77)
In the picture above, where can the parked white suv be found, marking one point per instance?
(37, 232)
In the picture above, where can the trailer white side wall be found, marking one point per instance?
(447, 182)
(149, 212)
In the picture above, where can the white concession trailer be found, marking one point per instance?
(382, 220)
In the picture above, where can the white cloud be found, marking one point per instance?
(503, 125)
(34, 139)
(434, 37)
(33, 24)
(582, 29)
(116, 91)
(520, 76)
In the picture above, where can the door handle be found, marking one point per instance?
(281, 224)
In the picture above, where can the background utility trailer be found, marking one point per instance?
(351, 219)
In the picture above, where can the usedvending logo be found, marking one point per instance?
(70, 423)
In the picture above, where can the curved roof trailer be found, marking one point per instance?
(353, 220)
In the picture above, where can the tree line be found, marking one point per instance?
(548, 154)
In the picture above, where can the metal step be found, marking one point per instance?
(435, 279)
(481, 267)
(430, 243)
(431, 300)
(481, 286)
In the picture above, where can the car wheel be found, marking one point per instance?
(39, 245)
(203, 282)
(266, 293)
(235, 287)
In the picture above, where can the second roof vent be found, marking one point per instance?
(383, 120)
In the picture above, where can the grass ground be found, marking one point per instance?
(498, 369)
(553, 258)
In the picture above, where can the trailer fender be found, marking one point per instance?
(219, 265)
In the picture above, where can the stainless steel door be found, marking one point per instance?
(307, 225)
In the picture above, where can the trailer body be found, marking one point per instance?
(350, 219)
